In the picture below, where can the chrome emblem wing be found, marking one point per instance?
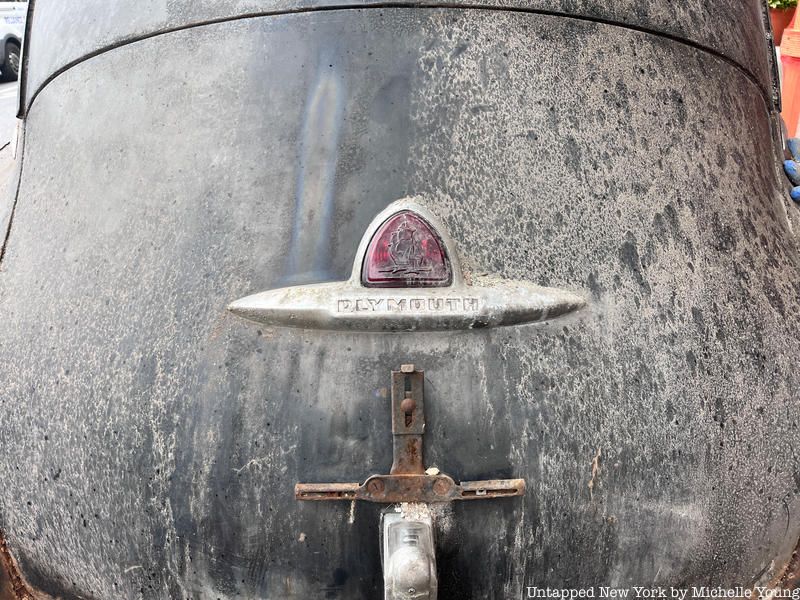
(487, 301)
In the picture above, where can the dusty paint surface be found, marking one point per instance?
(733, 29)
(152, 441)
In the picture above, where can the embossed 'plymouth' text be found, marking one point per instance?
(407, 305)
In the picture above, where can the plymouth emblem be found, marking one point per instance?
(407, 277)
(406, 251)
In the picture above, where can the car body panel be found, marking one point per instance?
(732, 29)
(152, 439)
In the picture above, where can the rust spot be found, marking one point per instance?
(408, 455)
(411, 447)
(376, 486)
(790, 578)
(12, 584)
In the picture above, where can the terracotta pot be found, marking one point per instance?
(780, 17)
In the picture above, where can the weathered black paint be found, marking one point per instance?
(732, 29)
(151, 440)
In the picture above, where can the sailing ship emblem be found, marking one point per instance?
(406, 251)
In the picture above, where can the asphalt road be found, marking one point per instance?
(8, 110)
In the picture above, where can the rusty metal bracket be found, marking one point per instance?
(408, 481)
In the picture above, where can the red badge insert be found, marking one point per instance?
(406, 252)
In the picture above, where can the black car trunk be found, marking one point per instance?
(179, 158)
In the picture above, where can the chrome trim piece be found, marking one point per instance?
(487, 301)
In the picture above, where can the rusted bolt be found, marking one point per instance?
(376, 486)
(441, 487)
(408, 405)
(406, 368)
